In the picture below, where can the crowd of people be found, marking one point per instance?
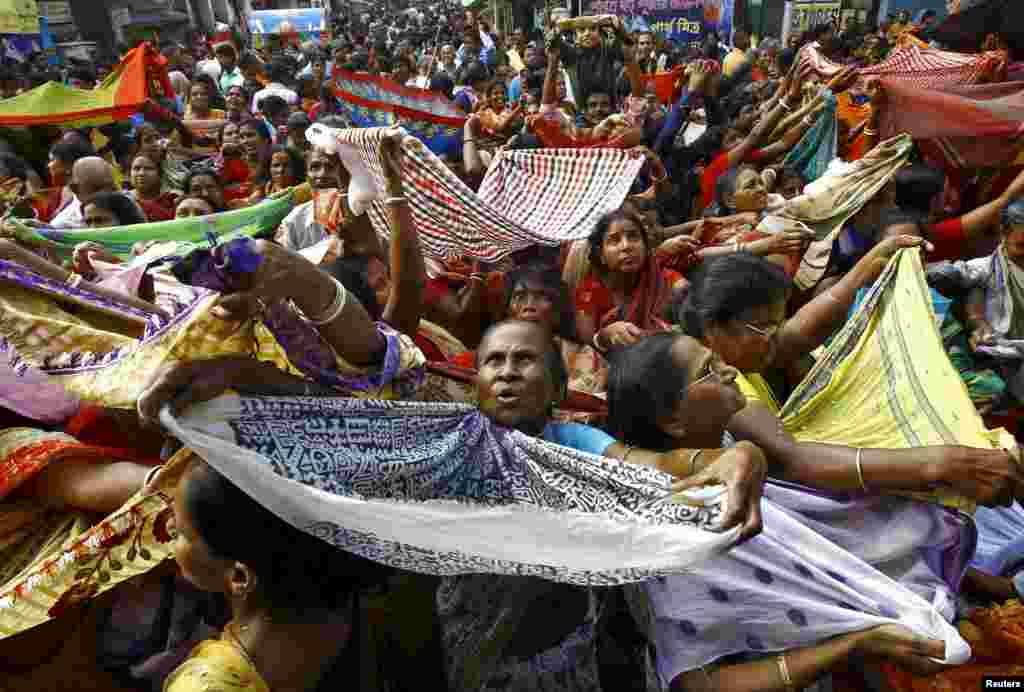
(670, 338)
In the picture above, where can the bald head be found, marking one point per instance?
(90, 176)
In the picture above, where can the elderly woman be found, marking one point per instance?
(737, 307)
(712, 628)
(626, 292)
(502, 629)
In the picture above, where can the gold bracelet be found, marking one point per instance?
(787, 680)
(860, 471)
(693, 462)
(868, 132)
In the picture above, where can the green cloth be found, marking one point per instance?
(181, 235)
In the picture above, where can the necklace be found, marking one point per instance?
(236, 639)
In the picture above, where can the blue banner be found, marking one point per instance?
(683, 21)
(308, 20)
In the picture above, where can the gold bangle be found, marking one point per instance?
(73, 280)
(860, 471)
(787, 680)
(868, 132)
(625, 456)
(693, 462)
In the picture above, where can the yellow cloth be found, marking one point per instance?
(886, 382)
(53, 559)
(757, 390)
(733, 61)
(215, 665)
(45, 334)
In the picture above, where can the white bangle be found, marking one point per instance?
(393, 201)
(332, 311)
(860, 471)
(151, 475)
(596, 344)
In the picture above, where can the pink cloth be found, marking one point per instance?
(924, 68)
(972, 125)
(35, 395)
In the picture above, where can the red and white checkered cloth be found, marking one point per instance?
(543, 197)
(925, 68)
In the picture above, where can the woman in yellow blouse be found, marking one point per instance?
(292, 595)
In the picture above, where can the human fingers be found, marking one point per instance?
(237, 307)
(162, 389)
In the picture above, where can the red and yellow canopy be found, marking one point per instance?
(141, 74)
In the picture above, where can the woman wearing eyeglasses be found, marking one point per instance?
(737, 307)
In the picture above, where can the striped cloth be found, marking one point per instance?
(541, 197)
(924, 68)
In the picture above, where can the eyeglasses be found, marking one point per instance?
(711, 375)
(766, 333)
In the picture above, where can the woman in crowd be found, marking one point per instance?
(626, 293)
(293, 598)
(710, 628)
(205, 183)
(287, 169)
(193, 205)
(496, 117)
(256, 144)
(109, 209)
(147, 190)
(326, 105)
(737, 307)
(200, 102)
(237, 103)
(991, 287)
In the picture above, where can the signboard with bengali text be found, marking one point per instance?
(683, 21)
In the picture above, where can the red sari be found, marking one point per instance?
(650, 298)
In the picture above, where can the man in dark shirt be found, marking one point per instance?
(595, 60)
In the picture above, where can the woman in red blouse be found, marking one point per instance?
(626, 291)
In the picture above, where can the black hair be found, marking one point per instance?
(296, 161)
(69, 150)
(213, 93)
(727, 286)
(553, 363)
(198, 172)
(335, 121)
(84, 74)
(273, 105)
(352, 273)
(443, 84)
(916, 185)
(645, 384)
(120, 205)
(474, 72)
(248, 59)
(549, 279)
(278, 71)
(604, 224)
(819, 30)
(297, 571)
(14, 165)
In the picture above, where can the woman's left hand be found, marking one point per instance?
(84, 253)
(278, 276)
(191, 382)
(681, 245)
(876, 260)
(742, 470)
